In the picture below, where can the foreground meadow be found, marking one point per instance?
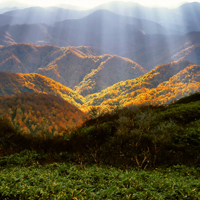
(68, 181)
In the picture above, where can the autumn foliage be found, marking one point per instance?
(80, 68)
(39, 113)
(12, 83)
(162, 85)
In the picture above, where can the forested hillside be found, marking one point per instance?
(114, 68)
(161, 85)
(69, 65)
(144, 136)
(37, 113)
(12, 83)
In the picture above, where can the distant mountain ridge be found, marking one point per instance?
(181, 20)
(46, 15)
(109, 33)
(191, 53)
(11, 5)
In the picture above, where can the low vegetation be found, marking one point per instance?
(137, 152)
(24, 178)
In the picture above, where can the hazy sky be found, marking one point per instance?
(92, 3)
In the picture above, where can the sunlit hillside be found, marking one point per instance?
(161, 85)
(12, 83)
(38, 113)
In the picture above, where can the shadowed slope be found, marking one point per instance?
(191, 54)
(114, 69)
(69, 65)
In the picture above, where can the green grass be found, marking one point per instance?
(68, 181)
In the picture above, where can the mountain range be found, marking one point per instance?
(164, 84)
(13, 83)
(117, 53)
(148, 43)
(11, 5)
(78, 67)
(180, 19)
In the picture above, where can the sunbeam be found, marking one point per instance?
(90, 4)
(110, 83)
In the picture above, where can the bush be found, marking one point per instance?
(142, 136)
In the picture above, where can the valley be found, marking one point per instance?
(99, 103)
